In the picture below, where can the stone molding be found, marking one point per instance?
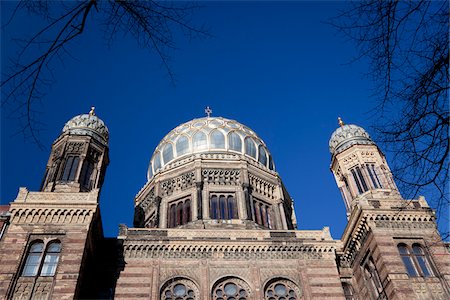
(227, 252)
(51, 215)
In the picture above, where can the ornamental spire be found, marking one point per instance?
(208, 111)
(341, 123)
(92, 112)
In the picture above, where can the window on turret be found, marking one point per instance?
(86, 173)
(262, 155)
(179, 213)
(359, 180)
(70, 169)
(234, 141)
(157, 161)
(167, 153)
(199, 141)
(182, 145)
(217, 140)
(250, 148)
(223, 207)
(373, 176)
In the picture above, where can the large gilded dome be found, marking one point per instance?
(209, 134)
(346, 136)
(87, 124)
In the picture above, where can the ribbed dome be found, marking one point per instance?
(346, 136)
(87, 124)
(209, 134)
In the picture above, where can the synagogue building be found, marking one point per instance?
(215, 221)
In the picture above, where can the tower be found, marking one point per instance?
(48, 249)
(79, 156)
(391, 246)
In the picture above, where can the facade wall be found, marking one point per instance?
(46, 217)
(154, 257)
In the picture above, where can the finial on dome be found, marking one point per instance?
(208, 111)
(341, 123)
(92, 112)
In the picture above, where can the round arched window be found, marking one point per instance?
(282, 289)
(231, 289)
(179, 289)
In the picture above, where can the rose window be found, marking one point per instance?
(231, 289)
(282, 290)
(180, 289)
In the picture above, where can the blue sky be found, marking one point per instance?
(275, 67)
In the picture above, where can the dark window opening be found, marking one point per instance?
(70, 169)
(179, 213)
(223, 207)
(262, 213)
(86, 173)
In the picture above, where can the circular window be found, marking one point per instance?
(231, 289)
(282, 290)
(180, 289)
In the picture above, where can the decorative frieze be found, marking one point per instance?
(261, 186)
(51, 216)
(178, 183)
(221, 176)
(227, 252)
(75, 147)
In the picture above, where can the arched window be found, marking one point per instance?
(270, 163)
(261, 211)
(86, 173)
(348, 291)
(234, 141)
(359, 180)
(51, 259)
(182, 145)
(179, 288)
(231, 288)
(407, 259)
(422, 260)
(373, 279)
(70, 168)
(199, 141)
(33, 260)
(250, 148)
(223, 207)
(172, 215)
(262, 155)
(167, 153)
(217, 139)
(150, 171)
(278, 289)
(214, 207)
(157, 161)
(39, 263)
(179, 213)
(373, 176)
(232, 207)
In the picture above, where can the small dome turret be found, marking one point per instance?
(346, 136)
(87, 124)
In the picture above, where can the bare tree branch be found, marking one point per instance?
(31, 72)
